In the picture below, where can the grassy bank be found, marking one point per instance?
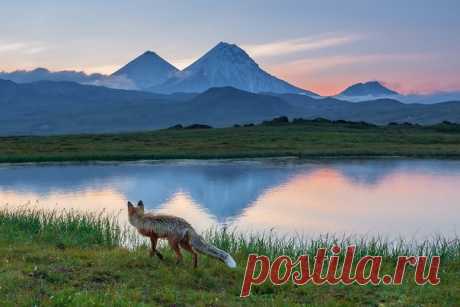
(300, 138)
(75, 259)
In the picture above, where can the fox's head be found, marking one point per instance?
(133, 210)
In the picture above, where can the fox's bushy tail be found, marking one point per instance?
(200, 245)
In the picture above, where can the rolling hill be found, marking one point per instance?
(46, 107)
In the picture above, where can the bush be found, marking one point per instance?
(178, 126)
(198, 126)
(277, 121)
(321, 120)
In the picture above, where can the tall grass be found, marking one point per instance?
(74, 228)
(271, 245)
(63, 228)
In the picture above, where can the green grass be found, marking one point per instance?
(73, 259)
(301, 139)
(64, 229)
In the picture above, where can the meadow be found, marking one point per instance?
(298, 138)
(69, 258)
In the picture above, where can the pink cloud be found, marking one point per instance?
(284, 47)
(402, 72)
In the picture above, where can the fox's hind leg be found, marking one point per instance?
(154, 251)
(188, 247)
(175, 246)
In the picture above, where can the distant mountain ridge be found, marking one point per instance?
(42, 74)
(48, 107)
(225, 65)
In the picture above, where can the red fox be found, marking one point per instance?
(178, 232)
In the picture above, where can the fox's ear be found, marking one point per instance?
(130, 205)
(140, 204)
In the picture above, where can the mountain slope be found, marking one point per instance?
(147, 70)
(226, 65)
(49, 92)
(430, 98)
(227, 106)
(48, 107)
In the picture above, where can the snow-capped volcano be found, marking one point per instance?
(373, 88)
(226, 65)
(367, 91)
(147, 70)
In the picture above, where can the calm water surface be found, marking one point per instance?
(391, 198)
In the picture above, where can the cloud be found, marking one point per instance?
(282, 47)
(7, 47)
(328, 75)
(298, 45)
(118, 82)
(35, 50)
(26, 48)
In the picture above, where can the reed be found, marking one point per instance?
(63, 228)
(74, 228)
(272, 245)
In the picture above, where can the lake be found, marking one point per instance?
(386, 197)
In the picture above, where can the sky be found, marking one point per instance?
(412, 46)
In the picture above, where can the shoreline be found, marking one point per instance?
(309, 140)
(150, 158)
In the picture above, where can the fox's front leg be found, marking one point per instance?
(154, 251)
(174, 243)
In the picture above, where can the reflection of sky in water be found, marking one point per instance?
(387, 197)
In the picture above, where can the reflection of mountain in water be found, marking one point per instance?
(223, 188)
